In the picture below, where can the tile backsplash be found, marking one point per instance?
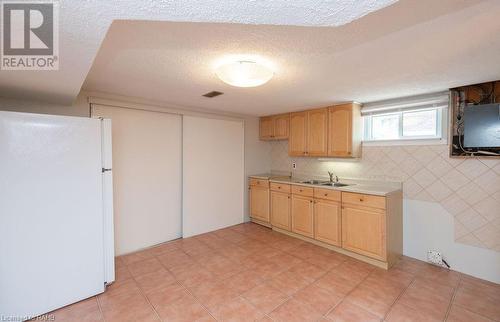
(469, 189)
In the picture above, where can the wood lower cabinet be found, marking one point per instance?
(365, 226)
(364, 231)
(327, 222)
(280, 210)
(302, 215)
(259, 203)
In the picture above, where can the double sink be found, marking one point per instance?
(325, 183)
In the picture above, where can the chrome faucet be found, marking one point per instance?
(331, 177)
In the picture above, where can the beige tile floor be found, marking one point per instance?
(250, 273)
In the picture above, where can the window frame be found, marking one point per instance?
(439, 138)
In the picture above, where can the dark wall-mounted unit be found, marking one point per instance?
(475, 120)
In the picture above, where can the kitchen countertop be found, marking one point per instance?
(379, 188)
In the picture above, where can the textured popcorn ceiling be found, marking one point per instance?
(83, 25)
(407, 47)
(469, 189)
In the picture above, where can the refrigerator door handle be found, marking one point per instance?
(107, 181)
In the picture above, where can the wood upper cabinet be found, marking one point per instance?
(364, 231)
(280, 210)
(345, 130)
(308, 133)
(302, 215)
(281, 126)
(274, 127)
(327, 219)
(297, 141)
(331, 131)
(317, 132)
(259, 202)
(266, 130)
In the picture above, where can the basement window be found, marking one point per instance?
(407, 119)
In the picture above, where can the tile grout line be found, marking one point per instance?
(467, 308)
(346, 295)
(399, 296)
(198, 300)
(145, 296)
(187, 289)
(100, 308)
(251, 304)
(455, 290)
(305, 260)
(290, 297)
(97, 296)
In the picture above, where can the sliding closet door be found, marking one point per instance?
(213, 174)
(147, 175)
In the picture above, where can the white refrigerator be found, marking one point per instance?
(56, 212)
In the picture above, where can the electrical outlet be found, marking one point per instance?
(294, 165)
(436, 258)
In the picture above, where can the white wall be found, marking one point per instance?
(427, 225)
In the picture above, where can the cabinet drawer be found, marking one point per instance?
(363, 200)
(259, 182)
(327, 194)
(281, 187)
(303, 191)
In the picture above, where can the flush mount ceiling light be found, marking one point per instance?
(244, 73)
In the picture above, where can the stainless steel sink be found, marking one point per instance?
(318, 182)
(325, 183)
(336, 184)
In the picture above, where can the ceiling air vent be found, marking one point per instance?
(212, 94)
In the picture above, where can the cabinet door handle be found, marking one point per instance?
(279, 187)
(326, 195)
